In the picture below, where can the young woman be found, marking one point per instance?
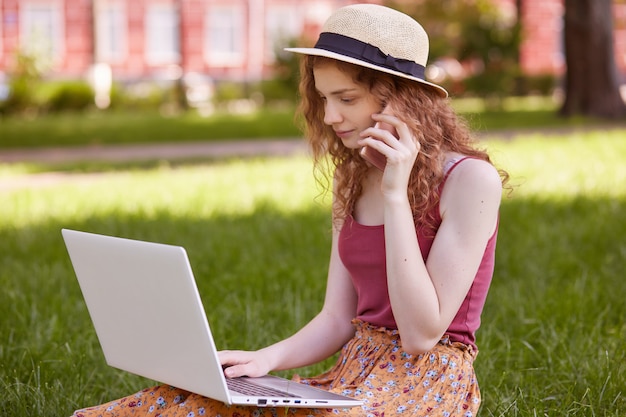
(415, 218)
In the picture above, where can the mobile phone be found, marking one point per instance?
(373, 156)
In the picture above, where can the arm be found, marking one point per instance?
(425, 296)
(323, 336)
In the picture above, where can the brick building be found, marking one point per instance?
(224, 39)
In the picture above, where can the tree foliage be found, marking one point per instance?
(478, 35)
(24, 79)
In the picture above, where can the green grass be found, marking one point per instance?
(124, 127)
(109, 128)
(553, 337)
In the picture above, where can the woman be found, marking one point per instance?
(413, 237)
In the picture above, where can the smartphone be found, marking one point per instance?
(373, 156)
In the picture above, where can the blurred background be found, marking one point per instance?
(177, 55)
(80, 77)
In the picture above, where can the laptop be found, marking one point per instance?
(150, 321)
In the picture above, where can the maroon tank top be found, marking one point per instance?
(362, 251)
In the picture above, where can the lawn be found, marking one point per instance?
(118, 127)
(131, 127)
(552, 342)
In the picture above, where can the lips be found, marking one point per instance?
(343, 134)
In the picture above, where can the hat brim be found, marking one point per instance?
(328, 54)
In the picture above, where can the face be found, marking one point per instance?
(348, 106)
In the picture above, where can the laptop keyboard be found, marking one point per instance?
(242, 386)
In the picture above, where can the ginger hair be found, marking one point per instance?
(429, 116)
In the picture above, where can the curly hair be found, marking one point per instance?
(429, 117)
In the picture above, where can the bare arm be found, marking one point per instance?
(425, 296)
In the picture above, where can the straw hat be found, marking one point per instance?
(376, 37)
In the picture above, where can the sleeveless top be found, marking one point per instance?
(362, 251)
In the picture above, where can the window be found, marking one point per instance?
(224, 36)
(162, 34)
(41, 31)
(283, 23)
(111, 33)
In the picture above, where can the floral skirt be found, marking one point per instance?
(372, 367)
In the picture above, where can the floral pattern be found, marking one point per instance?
(372, 367)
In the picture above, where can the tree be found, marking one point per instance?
(591, 82)
(475, 33)
(24, 80)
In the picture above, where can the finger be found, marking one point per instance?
(232, 357)
(376, 144)
(248, 369)
(377, 134)
(386, 119)
(235, 371)
(404, 135)
(394, 125)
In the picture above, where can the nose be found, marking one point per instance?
(331, 114)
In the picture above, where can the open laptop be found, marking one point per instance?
(150, 321)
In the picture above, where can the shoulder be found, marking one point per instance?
(472, 180)
(473, 172)
(476, 168)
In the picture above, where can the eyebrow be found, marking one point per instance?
(339, 92)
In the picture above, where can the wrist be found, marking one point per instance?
(399, 199)
(272, 357)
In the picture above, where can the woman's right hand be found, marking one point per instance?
(238, 363)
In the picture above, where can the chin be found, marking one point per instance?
(350, 143)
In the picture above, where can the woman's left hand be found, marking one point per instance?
(391, 137)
